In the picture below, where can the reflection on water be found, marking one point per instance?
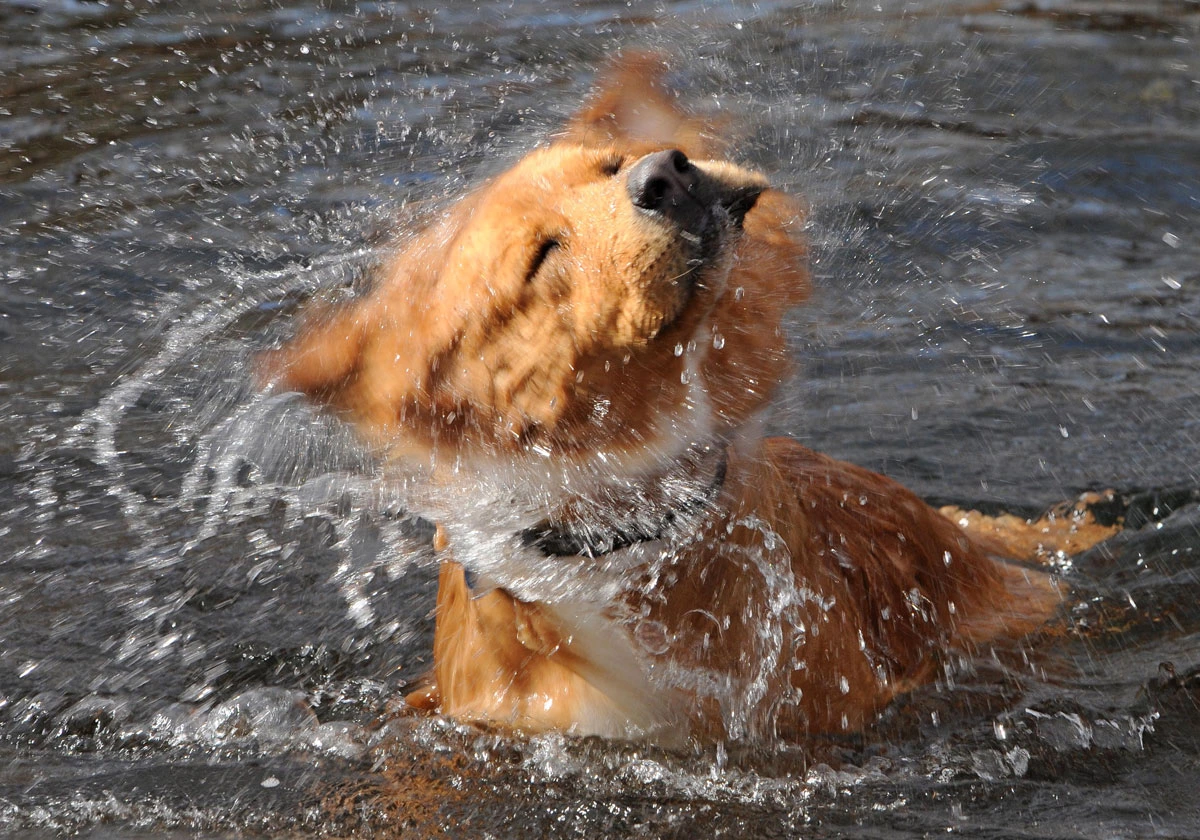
(208, 611)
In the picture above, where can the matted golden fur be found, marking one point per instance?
(568, 369)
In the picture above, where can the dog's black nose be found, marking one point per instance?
(665, 182)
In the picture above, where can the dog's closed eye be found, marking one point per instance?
(545, 248)
(612, 166)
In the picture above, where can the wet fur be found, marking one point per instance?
(803, 597)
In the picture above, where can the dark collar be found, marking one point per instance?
(562, 540)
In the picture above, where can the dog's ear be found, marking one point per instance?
(773, 253)
(322, 358)
(769, 277)
(376, 358)
(630, 104)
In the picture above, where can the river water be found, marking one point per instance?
(208, 611)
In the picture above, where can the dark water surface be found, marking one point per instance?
(206, 612)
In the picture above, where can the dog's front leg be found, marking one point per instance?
(495, 657)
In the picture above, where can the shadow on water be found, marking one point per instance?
(208, 609)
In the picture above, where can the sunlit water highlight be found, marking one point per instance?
(209, 605)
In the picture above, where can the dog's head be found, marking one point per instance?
(573, 305)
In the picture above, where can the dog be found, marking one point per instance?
(567, 371)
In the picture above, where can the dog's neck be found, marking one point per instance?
(553, 541)
(671, 502)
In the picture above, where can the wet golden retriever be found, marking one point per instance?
(567, 369)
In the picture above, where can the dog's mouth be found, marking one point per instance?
(701, 205)
(704, 207)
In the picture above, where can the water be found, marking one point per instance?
(208, 610)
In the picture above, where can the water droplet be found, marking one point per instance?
(1018, 759)
(653, 637)
(678, 349)
(718, 341)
